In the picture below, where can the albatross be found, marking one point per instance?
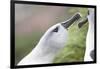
(89, 53)
(50, 43)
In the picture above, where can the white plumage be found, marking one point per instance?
(50, 44)
(47, 47)
(90, 36)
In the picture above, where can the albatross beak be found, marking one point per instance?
(69, 22)
(81, 23)
(84, 21)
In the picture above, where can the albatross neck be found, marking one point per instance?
(46, 51)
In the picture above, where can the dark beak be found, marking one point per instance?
(70, 21)
(81, 23)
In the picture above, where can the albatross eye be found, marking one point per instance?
(55, 30)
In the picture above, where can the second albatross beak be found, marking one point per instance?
(70, 21)
(81, 23)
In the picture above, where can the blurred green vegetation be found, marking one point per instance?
(72, 52)
(75, 47)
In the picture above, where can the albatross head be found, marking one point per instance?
(57, 35)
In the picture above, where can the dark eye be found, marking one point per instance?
(55, 30)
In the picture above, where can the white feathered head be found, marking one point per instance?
(57, 35)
